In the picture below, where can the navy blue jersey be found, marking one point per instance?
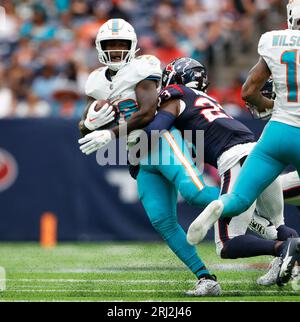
(201, 112)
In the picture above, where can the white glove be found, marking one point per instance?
(96, 119)
(95, 141)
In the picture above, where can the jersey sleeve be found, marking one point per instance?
(265, 47)
(169, 93)
(92, 83)
(148, 67)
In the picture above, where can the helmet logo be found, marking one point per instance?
(8, 170)
(169, 68)
(115, 27)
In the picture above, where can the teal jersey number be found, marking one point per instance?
(127, 108)
(290, 59)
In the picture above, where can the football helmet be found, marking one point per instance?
(267, 91)
(293, 14)
(116, 29)
(185, 71)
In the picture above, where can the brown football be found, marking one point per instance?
(100, 103)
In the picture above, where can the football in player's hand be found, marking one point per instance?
(100, 104)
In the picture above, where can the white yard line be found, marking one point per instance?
(257, 292)
(129, 281)
(145, 270)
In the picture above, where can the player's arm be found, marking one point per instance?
(257, 77)
(163, 120)
(95, 116)
(146, 95)
(165, 117)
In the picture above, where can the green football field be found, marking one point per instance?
(125, 272)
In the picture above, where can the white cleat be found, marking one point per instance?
(271, 276)
(205, 287)
(200, 226)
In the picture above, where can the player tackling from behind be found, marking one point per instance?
(279, 144)
(131, 83)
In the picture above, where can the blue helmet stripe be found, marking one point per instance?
(115, 25)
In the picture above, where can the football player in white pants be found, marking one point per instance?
(264, 216)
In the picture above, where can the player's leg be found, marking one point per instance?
(230, 233)
(270, 206)
(260, 169)
(182, 171)
(159, 198)
(258, 172)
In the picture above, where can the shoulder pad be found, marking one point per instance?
(92, 81)
(147, 65)
(263, 43)
(170, 92)
(150, 59)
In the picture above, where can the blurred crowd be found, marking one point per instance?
(47, 47)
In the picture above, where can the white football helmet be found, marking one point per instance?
(116, 29)
(293, 14)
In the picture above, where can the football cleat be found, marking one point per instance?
(200, 226)
(290, 254)
(206, 287)
(270, 277)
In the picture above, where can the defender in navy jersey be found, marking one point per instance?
(198, 111)
(183, 103)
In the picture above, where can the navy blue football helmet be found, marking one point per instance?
(185, 71)
(267, 91)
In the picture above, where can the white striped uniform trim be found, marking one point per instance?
(184, 161)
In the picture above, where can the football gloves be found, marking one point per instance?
(95, 141)
(96, 119)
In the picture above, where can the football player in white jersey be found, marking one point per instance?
(131, 83)
(127, 81)
(279, 144)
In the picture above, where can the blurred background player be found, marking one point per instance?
(279, 144)
(227, 142)
(133, 80)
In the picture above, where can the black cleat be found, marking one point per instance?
(290, 254)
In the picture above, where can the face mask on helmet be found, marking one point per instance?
(116, 51)
(118, 31)
(186, 71)
(293, 14)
